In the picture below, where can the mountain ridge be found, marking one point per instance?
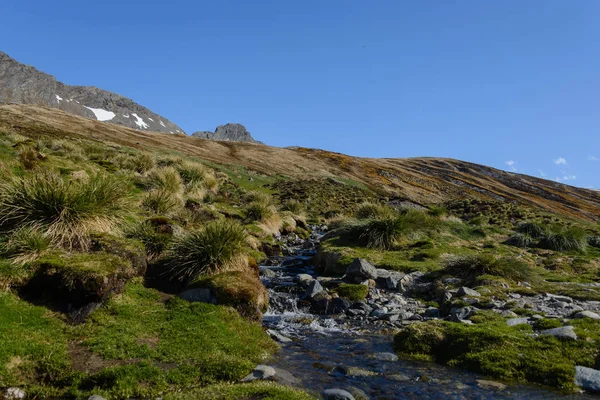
(424, 180)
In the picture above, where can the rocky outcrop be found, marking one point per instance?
(227, 132)
(24, 84)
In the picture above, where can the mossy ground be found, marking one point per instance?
(497, 350)
(352, 292)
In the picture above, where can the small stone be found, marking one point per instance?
(261, 372)
(391, 317)
(432, 312)
(383, 273)
(537, 316)
(362, 268)
(451, 281)
(557, 297)
(517, 321)
(458, 314)
(563, 332)
(313, 289)
(267, 272)
(337, 394)
(96, 397)
(587, 314)
(379, 312)
(340, 305)
(358, 393)
(385, 357)
(303, 278)
(508, 314)
(465, 291)
(14, 393)
(490, 385)
(278, 336)
(587, 378)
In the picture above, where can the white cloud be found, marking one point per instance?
(566, 178)
(542, 173)
(593, 158)
(512, 164)
(560, 160)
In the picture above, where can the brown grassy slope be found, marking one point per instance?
(422, 180)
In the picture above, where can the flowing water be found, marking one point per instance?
(337, 352)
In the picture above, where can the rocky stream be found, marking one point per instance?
(343, 350)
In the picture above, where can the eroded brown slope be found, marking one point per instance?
(422, 180)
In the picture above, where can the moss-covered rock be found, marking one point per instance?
(241, 290)
(493, 348)
(128, 249)
(352, 292)
(78, 279)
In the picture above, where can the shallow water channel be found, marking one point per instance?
(331, 352)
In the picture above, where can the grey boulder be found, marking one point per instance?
(313, 289)
(261, 372)
(362, 269)
(465, 291)
(587, 378)
(563, 332)
(587, 314)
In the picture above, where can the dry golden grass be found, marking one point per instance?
(421, 180)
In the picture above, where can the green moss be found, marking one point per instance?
(352, 292)
(255, 390)
(493, 348)
(546, 323)
(33, 347)
(241, 290)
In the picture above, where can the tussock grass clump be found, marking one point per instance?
(594, 241)
(569, 239)
(162, 201)
(192, 172)
(259, 211)
(30, 157)
(531, 229)
(470, 267)
(154, 239)
(166, 179)
(370, 210)
(384, 233)
(211, 182)
(26, 244)
(214, 248)
(437, 211)
(139, 162)
(293, 206)
(258, 197)
(522, 240)
(66, 211)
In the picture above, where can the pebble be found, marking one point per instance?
(261, 372)
(14, 393)
(337, 394)
(385, 357)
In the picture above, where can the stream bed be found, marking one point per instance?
(334, 351)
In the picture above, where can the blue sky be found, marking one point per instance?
(511, 84)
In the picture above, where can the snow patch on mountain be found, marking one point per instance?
(139, 121)
(101, 115)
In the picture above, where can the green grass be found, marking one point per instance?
(493, 348)
(471, 267)
(209, 250)
(255, 390)
(26, 244)
(208, 343)
(370, 210)
(33, 347)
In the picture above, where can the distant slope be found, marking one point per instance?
(421, 180)
(23, 84)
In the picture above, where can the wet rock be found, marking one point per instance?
(422, 288)
(313, 289)
(517, 321)
(358, 393)
(361, 268)
(267, 272)
(379, 313)
(278, 336)
(362, 306)
(303, 279)
(357, 372)
(490, 385)
(459, 314)
(391, 317)
(385, 357)
(432, 312)
(400, 377)
(14, 393)
(320, 306)
(587, 378)
(337, 394)
(339, 305)
(261, 372)
(383, 273)
(587, 314)
(564, 332)
(465, 291)
(451, 281)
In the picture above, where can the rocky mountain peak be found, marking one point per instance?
(227, 132)
(24, 84)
